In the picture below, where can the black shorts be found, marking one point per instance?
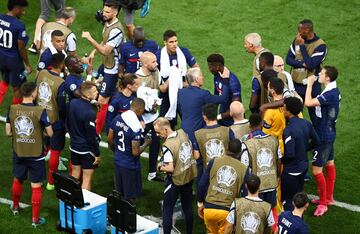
(85, 160)
(323, 154)
(128, 182)
(10, 70)
(36, 167)
(57, 141)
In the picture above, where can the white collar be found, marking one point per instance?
(108, 25)
(173, 134)
(253, 198)
(60, 22)
(330, 86)
(242, 121)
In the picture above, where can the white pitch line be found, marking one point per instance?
(344, 205)
(9, 202)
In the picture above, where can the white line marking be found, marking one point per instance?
(344, 205)
(9, 202)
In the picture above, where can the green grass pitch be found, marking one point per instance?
(207, 27)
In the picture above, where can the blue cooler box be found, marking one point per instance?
(143, 226)
(92, 216)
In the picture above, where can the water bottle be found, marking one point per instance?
(306, 81)
(23, 75)
(85, 65)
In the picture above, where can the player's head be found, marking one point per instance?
(266, 60)
(58, 40)
(110, 10)
(328, 74)
(28, 89)
(253, 184)
(300, 200)
(292, 106)
(251, 42)
(234, 148)
(278, 63)
(74, 64)
(216, 63)
(162, 127)
(275, 87)
(170, 41)
(255, 121)
(139, 37)
(17, 7)
(209, 112)
(305, 28)
(68, 15)
(88, 90)
(237, 110)
(130, 82)
(57, 61)
(138, 106)
(266, 76)
(195, 77)
(149, 61)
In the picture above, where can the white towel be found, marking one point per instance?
(165, 62)
(175, 83)
(330, 86)
(132, 120)
(54, 50)
(150, 96)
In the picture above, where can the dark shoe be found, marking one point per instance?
(33, 49)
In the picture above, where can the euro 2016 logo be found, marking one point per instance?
(214, 148)
(264, 158)
(250, 222)
(44, 92)
(226, 175)
(185, 152)
(23, 126)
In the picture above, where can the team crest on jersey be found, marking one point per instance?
(41, 65)
(23, 126)
(44, 92)
(214, 148)
(226, 175)
(110, 108)
(250, 222)
(185, 152)
(264, 158)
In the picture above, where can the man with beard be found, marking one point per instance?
(131, 52)
(305, 56)
(113, 37)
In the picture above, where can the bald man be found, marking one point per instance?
(148, 91)
(279, 67)
(252, 44)
(241, 125)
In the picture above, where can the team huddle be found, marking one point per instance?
(248, 173)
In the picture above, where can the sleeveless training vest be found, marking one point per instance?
(251, 216)
(226, 177)
(213, 142)
(48, 85)
(184, 163)
(27, 137)
(109, 60)
(263, 160)
(299, 74)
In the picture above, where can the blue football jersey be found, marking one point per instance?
(291, 224)
(11, 30)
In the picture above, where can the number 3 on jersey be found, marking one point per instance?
(121, 144)
(6, 38)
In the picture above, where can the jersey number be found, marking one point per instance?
(121, 144)
(282, 231)
(6, 38)
(315, 155)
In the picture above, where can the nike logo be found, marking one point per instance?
(132, 54)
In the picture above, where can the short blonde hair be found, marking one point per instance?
(254, 39)
(162, 122)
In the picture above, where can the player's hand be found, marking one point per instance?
(201, 211)
(154, 107)
(91, 58)
(311, 80)
(147, 140)
(97, 160)
(299, 40)
(225, 74)
(86, 35)
(28, 69)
